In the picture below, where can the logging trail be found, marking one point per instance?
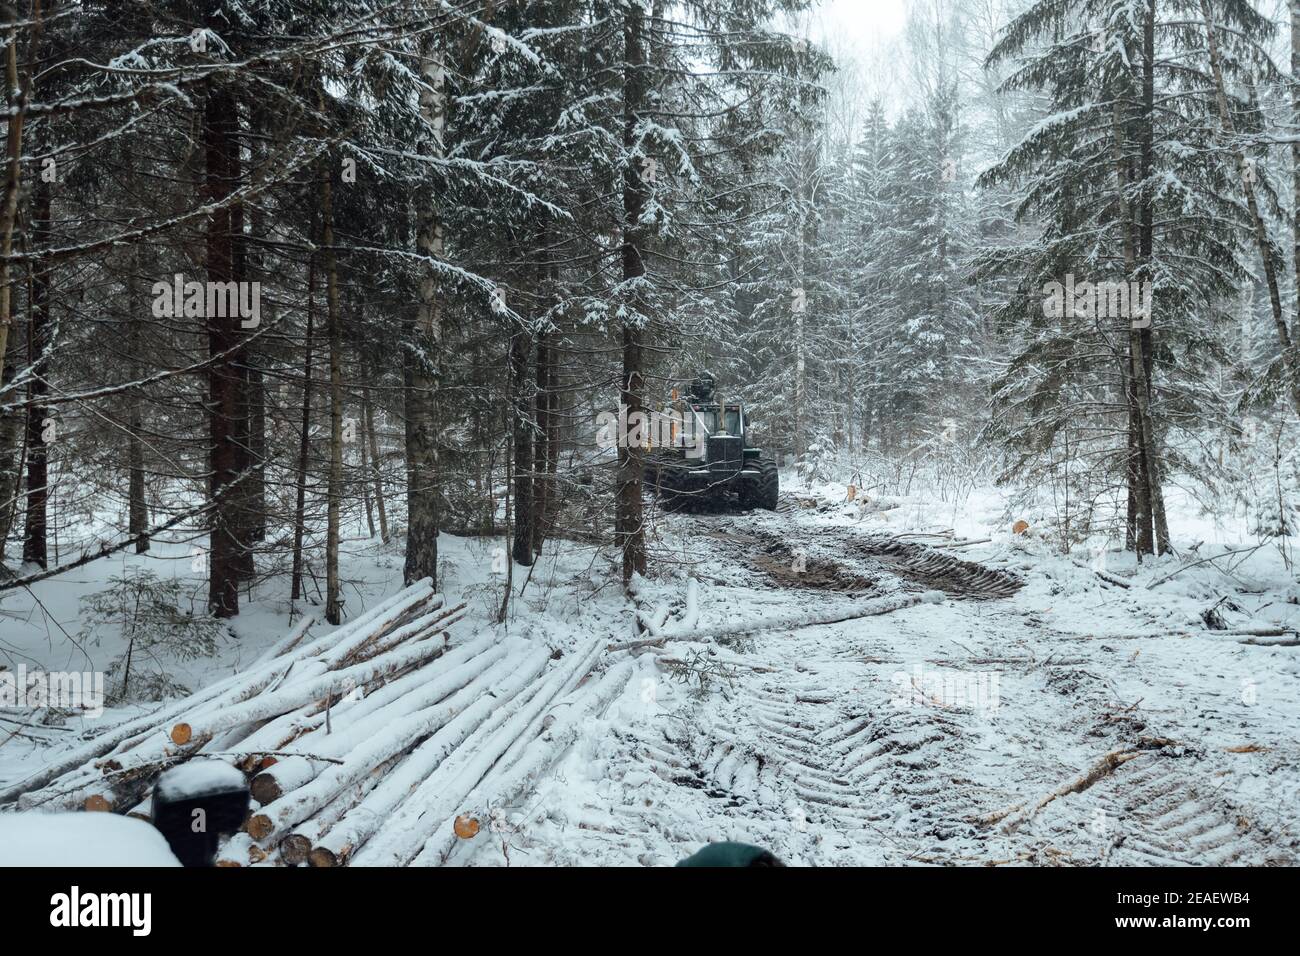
(993, 725)
(817, 680)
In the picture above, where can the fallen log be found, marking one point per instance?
(281, 731)
(477, 704)
(286, 644)
(1264, 636)
(333, 728)
(273, 821)
(637, 645)
(524, 775)
(239, 851)
(121, 787)
(350, 702)
(418, 691)
(789, 622)
(965, 543)
(235, 688)
(296, 846)
(402, 836)
(302, 693)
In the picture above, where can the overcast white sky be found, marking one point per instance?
(865, 38)
(865, 23)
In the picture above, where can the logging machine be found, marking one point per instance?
(710, 460)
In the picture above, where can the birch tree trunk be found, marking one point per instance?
(1295, 150)
(800, 309)
(368, 412)
(304, 438)
(1290, 354)
(422, 367)
(544, 442)
(523, 434)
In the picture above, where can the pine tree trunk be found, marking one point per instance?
(242, 493)
(421, 370)
(256, 381)
(1150, 444)
(16, 87)
(221, 148)
(554, 416)
(629, 535)
(1139, 529)
(333, 605)
(34, 549)
(11, 464)
(137, 505)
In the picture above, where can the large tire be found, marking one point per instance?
(763, 491)
(668, 480)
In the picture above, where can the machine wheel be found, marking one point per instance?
(668, 480)
(763, 491)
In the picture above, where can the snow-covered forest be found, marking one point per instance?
(507, 432)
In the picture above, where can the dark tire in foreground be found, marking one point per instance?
(763, 490)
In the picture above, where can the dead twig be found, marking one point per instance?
(1214, 557)
(1015, 814)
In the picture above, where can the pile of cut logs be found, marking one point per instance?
(381, 742)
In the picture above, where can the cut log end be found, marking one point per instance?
(320, 856)
(294, 849)
(259, 826)
(265, 789)
(181, 734)
(97, 803)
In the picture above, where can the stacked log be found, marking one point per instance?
(361, 745)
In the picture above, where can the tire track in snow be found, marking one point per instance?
(809, 754)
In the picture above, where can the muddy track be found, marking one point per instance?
(794, 556)
(937, 569)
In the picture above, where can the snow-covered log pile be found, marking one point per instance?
(363, 742)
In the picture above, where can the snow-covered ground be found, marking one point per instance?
(1040, 712)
